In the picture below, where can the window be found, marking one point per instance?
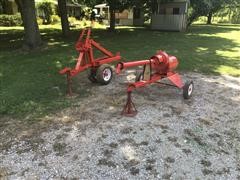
(176, 10)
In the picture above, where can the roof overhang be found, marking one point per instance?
(101, 6)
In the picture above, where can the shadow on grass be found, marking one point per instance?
(31, 85)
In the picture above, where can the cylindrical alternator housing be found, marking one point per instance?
(163, 63)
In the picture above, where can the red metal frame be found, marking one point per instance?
(86, 58)
(161, 66)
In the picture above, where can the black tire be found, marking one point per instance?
(139, 76)
(92, 75)
(188, 90)
(104, 74)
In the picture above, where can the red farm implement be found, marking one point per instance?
(155, 69)
(99, 70)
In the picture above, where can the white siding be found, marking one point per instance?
(169, 22)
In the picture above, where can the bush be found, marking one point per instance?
(10, 20)
(72, 21)
(39, 21)
(55, 19)
(223, 21)
(236, 18)
(46, 10)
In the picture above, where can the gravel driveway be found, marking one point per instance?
(170, 138)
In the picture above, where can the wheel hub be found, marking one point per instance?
(190, 89)
(107, 74)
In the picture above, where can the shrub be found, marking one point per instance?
(10, 20)
(39, 21)
(223, 21)
(55, 19)
(236, 18)
(72, 21)
(46, 10)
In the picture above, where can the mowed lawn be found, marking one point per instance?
(31, 86)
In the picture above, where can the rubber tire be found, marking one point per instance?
(92, 75)
(186, 95)
(139, 76)
(99, 74)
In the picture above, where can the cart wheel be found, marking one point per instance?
(92, 75)
(188, 90)
(104, 74)
(139, 76)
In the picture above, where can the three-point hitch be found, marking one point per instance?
(99, 70)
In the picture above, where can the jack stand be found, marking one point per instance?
(129, 109)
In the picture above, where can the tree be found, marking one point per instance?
(32, 38)
(204, 8)
(64, 17)
(213, 7)
(90, 3)
(196, 10)
(233, 10)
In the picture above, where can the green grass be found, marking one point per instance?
(31, 86)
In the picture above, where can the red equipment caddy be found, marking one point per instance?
(100, 71)
(155, 69)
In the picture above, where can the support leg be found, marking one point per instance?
(69, 85)
(129, 109)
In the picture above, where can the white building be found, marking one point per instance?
(127, 17)
(171, 16)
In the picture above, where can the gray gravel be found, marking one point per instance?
(170, 138)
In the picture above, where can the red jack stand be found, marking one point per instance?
(129, 109)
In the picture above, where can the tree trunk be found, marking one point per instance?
(229, 15)
(112, 19)
(4, 8)
(64, 18)
(32, 38)
(209, 18)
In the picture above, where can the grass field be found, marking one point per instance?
(31, 85)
